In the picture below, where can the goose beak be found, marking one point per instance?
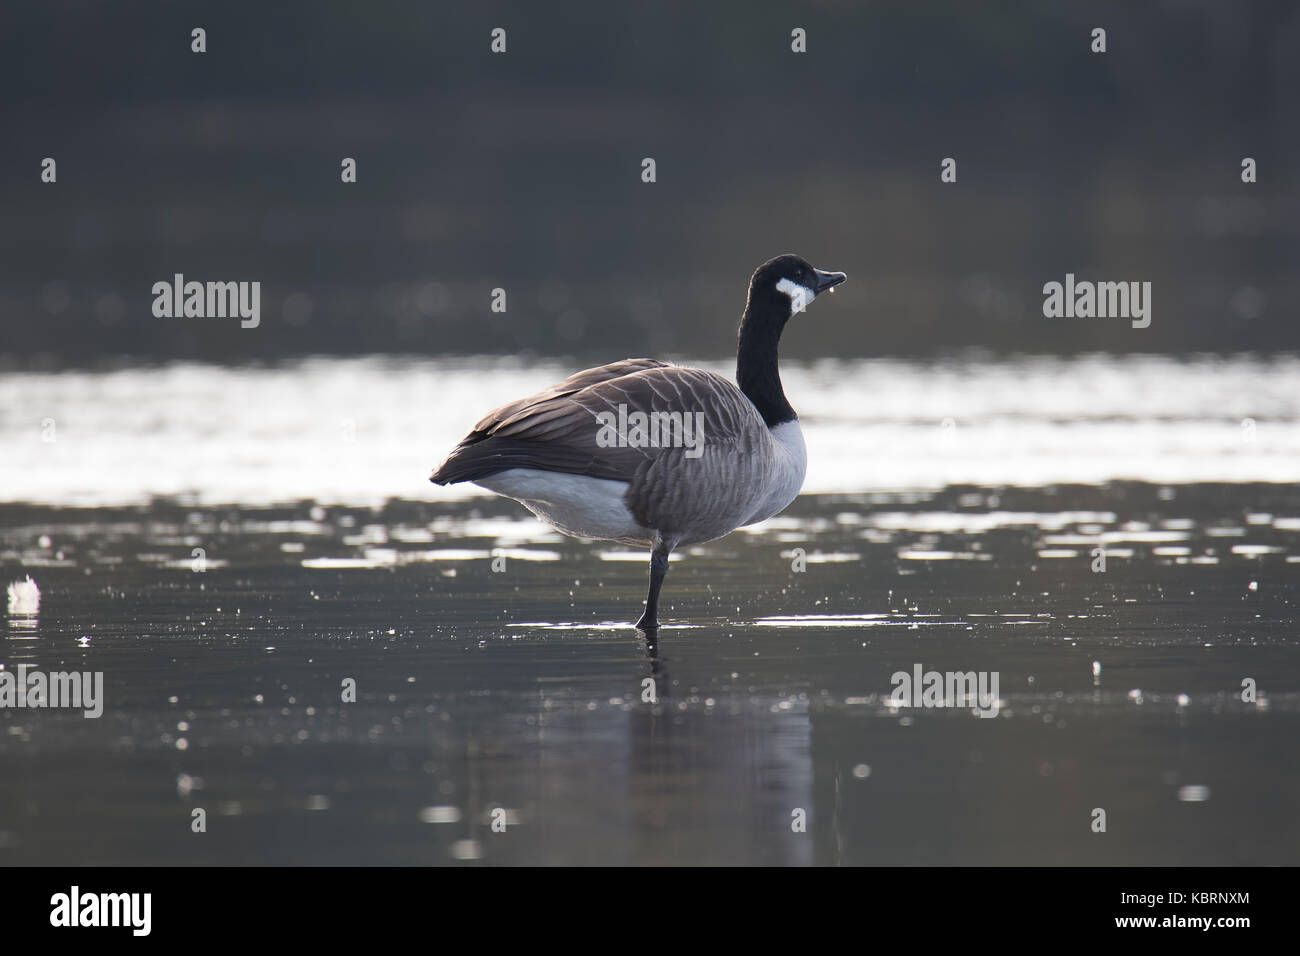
(827, 281)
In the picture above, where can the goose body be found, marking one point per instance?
(652, 454)
(745, 472)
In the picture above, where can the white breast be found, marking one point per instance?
(786, 475)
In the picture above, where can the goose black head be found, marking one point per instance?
(790, 283)
(778, 289)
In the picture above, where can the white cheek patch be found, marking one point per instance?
(800, 295)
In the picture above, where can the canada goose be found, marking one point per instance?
(652, 454)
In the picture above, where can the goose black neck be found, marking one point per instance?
(756, 356)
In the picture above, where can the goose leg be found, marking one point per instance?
(658, 568)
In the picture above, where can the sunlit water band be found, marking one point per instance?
(361, 431)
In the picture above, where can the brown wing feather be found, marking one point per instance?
(556, 429)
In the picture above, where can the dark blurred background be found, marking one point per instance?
(522, 171)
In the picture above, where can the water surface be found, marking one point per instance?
(497, 677)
